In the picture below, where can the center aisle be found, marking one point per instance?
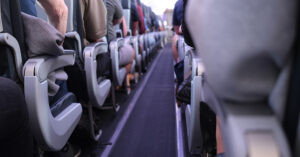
(151, 128)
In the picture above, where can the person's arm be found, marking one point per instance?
(118, 12)
(174, 47)
(135, 26)
(219, 138)
(176, 22)
(134, 19)
(117, 21)
(124, 27)
(118, 15)
(57, 12)
(178, 30)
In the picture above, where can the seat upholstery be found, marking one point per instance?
(61, 104)
(245, 40)
(247, 56)
(9, 24)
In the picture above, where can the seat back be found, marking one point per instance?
(12, 54)
(291, 118)
(84, 78)
(52, 119)
(74, 37)
(249, 106)
(75, 23)
(192, 111)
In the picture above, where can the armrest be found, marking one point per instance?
(129, 32)
(116, 44)
(252, 128)
(12, 42)
(51, 130)
(134, 41)
(69, 52)
(114, 54)
(42, 66)
(75, 36)
(93, 50)
(256, 129)
(119, 33)
(97, 91)
(127, 40)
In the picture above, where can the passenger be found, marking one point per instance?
(154, 22)
(145, 11)
(135, 18)
(177, 21)
(114, 17)
(178, 16)
(55, 9)
(177, 54)
(94, 27)
(15, 136)
(142, 28)
(185, 31)
(94, 20)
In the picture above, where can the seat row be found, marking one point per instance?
(53, 121)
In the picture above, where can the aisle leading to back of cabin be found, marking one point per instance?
(150, 130)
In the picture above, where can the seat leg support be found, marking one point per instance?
(95, 134)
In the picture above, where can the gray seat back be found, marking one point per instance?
(12, 41)
(247, 56)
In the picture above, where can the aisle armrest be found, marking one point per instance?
(97, 91)
(7, 39)
(75, 36)
(43, 65)
(51, 132)
(93, 50)
(253, 128)
(118, 74)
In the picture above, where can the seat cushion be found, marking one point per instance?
(62, 103)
